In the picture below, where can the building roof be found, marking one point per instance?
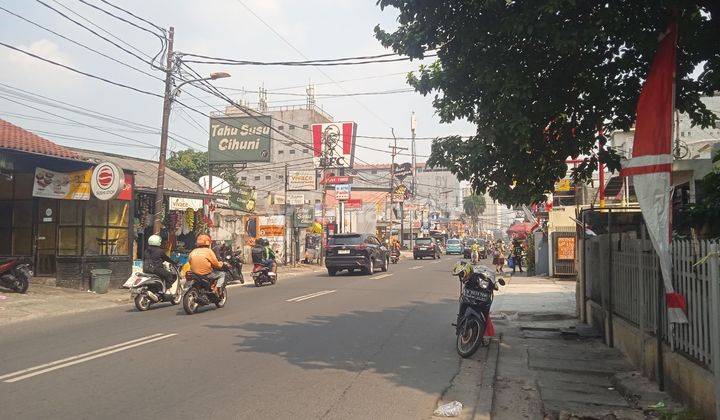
(146, 173)
(13, 137)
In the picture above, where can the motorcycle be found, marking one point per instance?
(15, 274)
(394, 256)
(147, 289)
(199, 292)
(261, 275)
(476, 296)
(234, 267)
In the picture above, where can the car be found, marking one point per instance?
(454, 246)
(356, 251)
(426, 247)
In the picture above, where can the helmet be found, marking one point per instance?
(463, 270)
(203, 240)
(154, 240)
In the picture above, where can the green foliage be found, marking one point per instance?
(193, 165)
(474, 205)
(539, 79)
(705, 213)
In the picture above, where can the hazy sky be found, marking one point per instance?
(317, 28)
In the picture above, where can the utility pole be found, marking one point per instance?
(413, 126)
(395, 149)
(167, 103)
(285, 247)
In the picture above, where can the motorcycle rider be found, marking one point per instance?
(154, 258)
(268, 257)
(204, 262)
(475, 252)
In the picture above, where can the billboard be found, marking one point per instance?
(302, 180)
(296, 199)
(342, 192)
(334, 144)
(239, 139)
(62, 185)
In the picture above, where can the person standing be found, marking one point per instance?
(517, 253)
(499, 256)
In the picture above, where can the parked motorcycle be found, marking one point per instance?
(199, 292)
(477, 287)
(394, 256)
(147, 289)
(15, 274)
(234, 267)
(261, 275)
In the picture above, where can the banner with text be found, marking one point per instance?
(240, 139)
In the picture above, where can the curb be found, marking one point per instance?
(486, 396)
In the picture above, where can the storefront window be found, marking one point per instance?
(5, 227)
(70, 213)
(106, 228)
(23, 185)
(22, 228)
(6, 186)
(69, 231)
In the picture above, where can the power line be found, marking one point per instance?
(367, 57)
(229, 62)
(80, 72)
(161, 29)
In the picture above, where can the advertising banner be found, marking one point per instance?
(303, 180)
(402, 171)
(335, 180)
(353, 204)
(304, 217)
(342, 192)
(334, 144)
(272, 228)
(296, 199)
(179, 203)
(240, 139)
(566, 248)
(62, 185)
(400, 194)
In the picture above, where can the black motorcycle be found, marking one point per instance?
(476, 296)
(199, 292)
(234, 267)
(15, 274)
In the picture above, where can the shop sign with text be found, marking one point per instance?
(62, 185)
(302, 180)
(107, 181)
(182, 204)
(342, 192)
(240, 139)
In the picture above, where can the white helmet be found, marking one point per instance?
(155, 240)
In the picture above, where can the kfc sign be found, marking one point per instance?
(334, 144)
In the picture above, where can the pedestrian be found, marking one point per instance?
(499, 256)
(517, 254)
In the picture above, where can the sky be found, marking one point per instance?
(316, 29)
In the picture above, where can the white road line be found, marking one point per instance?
(310, 296)
(80, 359)
(415, 267)
(381, 276)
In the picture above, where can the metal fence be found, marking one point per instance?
(624, 275)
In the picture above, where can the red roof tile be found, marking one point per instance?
(16, 138)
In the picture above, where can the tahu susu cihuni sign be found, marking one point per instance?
(240, 139)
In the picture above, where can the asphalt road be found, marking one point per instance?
(377, 346)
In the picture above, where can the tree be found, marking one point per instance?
(540, 79)
(193, 165)
(474, 206)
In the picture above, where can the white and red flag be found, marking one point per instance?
(651, 163)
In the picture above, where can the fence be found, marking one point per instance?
(623, 274)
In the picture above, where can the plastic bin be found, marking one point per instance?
(100, 280)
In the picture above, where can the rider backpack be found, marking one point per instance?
(258, 254)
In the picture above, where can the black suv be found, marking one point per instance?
(426, 247)
(355, 251)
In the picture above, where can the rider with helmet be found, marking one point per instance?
(268, 257)
(204, 262)
(154, 258)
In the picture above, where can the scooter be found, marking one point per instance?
(394, 256)
(234, 267)
(148, 289)
(199, 292)
(15, 274)
(476, 296)
(261, 275)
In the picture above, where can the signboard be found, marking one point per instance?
(242, 198)
(400, 194)
(107, 181)
(272, 228)
(563, 185)
(240, 139)
(180, 203)
(127, 192)
(565, 248)
(302, 180)
(62, 185)
(353, 204)
(342, 192)
(335, 180)
(296, 199)
(334, 144)
(402, 171)
(304, 216)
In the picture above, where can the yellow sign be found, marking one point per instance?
(270, 230)
(62, 185)
(565, 248)
(563, 185)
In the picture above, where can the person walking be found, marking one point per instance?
(499, 256)
(517, 254)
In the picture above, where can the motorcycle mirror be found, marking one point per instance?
(501, 281)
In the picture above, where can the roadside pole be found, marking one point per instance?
(285, 247)
(413, 125)
(395, 149)
(167, 103)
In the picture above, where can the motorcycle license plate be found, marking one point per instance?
(423, 248)
(478, 295)
(343, 252)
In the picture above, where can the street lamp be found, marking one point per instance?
(170, 94)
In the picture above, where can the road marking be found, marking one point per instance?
(310, 296)
(415, 267)
(81, 358)
(381, 276)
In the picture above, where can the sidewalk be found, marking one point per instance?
(548, 369)
(43, 301)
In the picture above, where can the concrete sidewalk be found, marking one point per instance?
(43, 301)
(549, 369)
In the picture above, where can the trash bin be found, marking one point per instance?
(100, 280)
